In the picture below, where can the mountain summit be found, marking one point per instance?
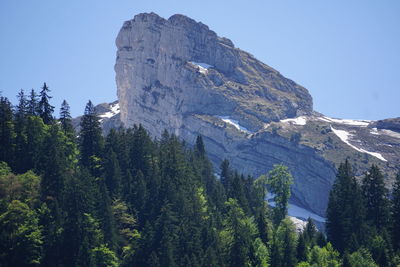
(180, 67)
(178, 75)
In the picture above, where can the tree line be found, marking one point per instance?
(126, 199)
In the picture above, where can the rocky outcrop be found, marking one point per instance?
(178, 75)
(388, 124)
(168, 69)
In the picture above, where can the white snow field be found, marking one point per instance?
(202, 67)
(234, 123)
(296, 121)
(114, 111)
(345, 136)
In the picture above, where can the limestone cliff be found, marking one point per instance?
(178, 75)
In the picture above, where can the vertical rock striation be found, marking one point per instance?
(178, 75)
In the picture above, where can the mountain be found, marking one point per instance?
(177, 74)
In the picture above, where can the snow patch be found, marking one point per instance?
(300, 213)
(298, 223)
(234, 123)
(114, 110)
(296, 121)
(391, 133)
(345, 136)
(202, 67)
(362, 123)
(374, 131)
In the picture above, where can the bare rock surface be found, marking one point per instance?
(177, 74)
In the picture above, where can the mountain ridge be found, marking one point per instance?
(178, 75)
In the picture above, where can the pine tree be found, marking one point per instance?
(238, 235)
(45, 109)
(199, 148)
(21, 157)
(396, 213)
(7, 134)
(112, 173)
(91, 140)
(301, 248)
(284, 245)
(226, 175)
(65, 119)
(345, 212)
(33, 104)
(80, 228)
(22, 108)
(310, 233)
(375, 199)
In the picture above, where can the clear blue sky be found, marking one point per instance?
(346, 53)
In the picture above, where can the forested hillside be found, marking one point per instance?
(125, 199)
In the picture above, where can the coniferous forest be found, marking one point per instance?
(83, 199)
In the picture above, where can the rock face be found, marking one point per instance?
(167, 70)
(389, 124)
(178, 75)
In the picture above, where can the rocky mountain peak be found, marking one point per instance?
(179, 66)
(179, 75)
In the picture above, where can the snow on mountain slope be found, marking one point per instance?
(234, 123)
(345, 136)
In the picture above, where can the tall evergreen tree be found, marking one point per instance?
(91, 140)
(22, 108)
(65, 119)
(45, 108)
(375, 199)
(33, 104)
(7, 133)
(345, 212)
(284, 245)
(226, 175)
(199, 148)
(396, 213)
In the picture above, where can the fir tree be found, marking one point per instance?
(33, 104)
(396, 213)
(345, 212)
(199, 148)
(375, 199)
(226, 175)
(22, 108)
(7, 134)
(45, 109)
(91, 140)
(65, 119)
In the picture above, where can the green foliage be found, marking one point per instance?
(7, 131)
(395, 208)
(104, 257)
(44, 107)
(279, 182)
(21, 236)
(239, 235)
(361, 258)
(324, 257)
(66, 120)
(128, 200)
(23, 187)
(284, 245)
(91, 140)
(345, 212)
(375, 199)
